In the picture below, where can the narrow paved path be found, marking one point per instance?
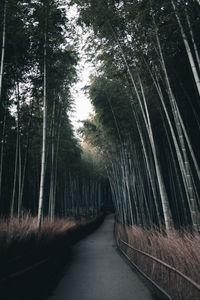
(97, 271)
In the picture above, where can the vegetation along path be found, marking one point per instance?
(98, 272)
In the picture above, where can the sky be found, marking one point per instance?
(82, 104)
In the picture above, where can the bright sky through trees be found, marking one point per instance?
(82, 104)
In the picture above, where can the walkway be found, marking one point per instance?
(97, 271)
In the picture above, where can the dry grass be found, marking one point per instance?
(22, 239)
(22, 245)
(15, 231)
(34, 261)
(28, 225)
(179, 249)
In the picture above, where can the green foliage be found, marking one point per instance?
(25, 26)
(127, 99)
(21, 112)
(92, 163)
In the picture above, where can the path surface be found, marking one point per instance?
(97, 271)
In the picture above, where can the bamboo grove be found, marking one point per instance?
(43, 169)
(146, 96)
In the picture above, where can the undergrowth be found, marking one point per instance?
(22, 245)
(178, 248)
(14, 232)
(32, 260)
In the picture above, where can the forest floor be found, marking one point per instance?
(97, 272)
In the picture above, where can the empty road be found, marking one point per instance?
(97, 272)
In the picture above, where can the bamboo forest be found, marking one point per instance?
(132, 166)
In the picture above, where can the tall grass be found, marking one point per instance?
(13, 230)
(32, 260)
(22, 245)
(28, 225)
(179, 248)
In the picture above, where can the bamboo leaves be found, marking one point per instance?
(139, 56)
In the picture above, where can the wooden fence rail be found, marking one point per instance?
(177, 284)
